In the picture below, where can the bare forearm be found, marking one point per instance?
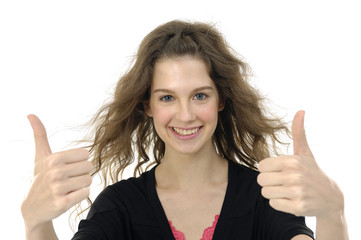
(332, 228)
(45, 231)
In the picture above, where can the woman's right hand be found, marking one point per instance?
(60, 180)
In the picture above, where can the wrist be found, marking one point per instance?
(40, 231)
(332, 226)
(332, 216)
(334, 204)
(29, 218)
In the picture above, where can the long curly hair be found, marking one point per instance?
(244, 134)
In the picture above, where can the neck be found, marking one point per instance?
(191, 172)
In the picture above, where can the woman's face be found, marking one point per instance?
(184, 104)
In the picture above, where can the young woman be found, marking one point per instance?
(186, 101)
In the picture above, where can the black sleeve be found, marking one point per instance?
(273, 224)
(106, 220)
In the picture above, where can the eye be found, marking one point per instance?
(166, 98)
(200, 96)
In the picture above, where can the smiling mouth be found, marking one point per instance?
(186, 132)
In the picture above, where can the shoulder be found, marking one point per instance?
(243, 191)
(252, 208)
(243, 177)
(124, 195)
(121, 210)
(242, 169)
(132, 186)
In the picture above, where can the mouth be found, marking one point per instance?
(186, 132)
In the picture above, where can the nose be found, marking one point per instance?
(185, 112)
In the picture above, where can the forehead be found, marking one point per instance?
(181, 72)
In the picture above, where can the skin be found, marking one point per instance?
(60, 180)
(191, 180)
(295, 184)
(183, 96)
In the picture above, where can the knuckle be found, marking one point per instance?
(264, 192)
(88, 166)
(264, 164)
(90, 180)
(300, 193)
(53, 160)
(61, 204)
(301, 208)
(82, 153)
(56, 189)
(261, 166)
(56, 175)
(86, 192)
(260, 179)
(274, 204)
(294, 164)
(297, 179)
(87, 180)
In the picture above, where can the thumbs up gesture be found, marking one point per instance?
(295, 184)
(60, 179)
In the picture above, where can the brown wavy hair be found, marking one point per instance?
(244, 133)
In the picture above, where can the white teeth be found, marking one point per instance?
(184, 132)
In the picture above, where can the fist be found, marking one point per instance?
(295, 184)
(60, 179)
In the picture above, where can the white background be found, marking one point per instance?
(61, 59)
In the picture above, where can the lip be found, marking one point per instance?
(186, 137)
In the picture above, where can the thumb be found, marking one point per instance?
(42, 147)
(300, 145)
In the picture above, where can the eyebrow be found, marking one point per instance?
(194, 90)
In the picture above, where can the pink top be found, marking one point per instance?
(207, 234)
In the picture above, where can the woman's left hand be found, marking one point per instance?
(296, 184)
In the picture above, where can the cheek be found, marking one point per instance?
(161, 116)
(209, 113)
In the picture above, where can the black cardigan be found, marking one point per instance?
(131, 210)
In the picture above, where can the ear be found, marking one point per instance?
(147, 108)
(221, 105)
